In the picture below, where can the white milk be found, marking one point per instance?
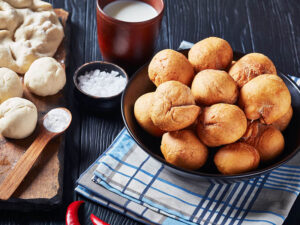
(130, 11)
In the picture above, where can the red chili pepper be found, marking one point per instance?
(96, 221)
(72, 213)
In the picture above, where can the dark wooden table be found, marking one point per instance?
(271, 27)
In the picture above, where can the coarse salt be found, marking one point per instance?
(102, 84)
(57, 120)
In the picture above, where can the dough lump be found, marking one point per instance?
(142, 108)
(210, 53)
(20, 3)
(18, 118)
(251, 66)
(45, 77)
(10, 85)
(221, 124)
(268, 140)
(214, 86)
(29, 29)
(283, 122)
(265, 97)
(182, 148)
(236, 158)
(173, 106)
(170, 65)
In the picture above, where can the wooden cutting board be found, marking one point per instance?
(43, 184)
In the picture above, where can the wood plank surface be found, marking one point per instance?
(42, 182)
(267, 26)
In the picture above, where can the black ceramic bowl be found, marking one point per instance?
(102, 104)
(140, 84)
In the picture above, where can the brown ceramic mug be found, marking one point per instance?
(128, 44)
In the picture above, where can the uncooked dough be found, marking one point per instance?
(45, 77)
(20, 3)
(18, 118)
(29, 29)
(10, 85)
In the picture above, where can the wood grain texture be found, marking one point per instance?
(25, 163)
(267, 26)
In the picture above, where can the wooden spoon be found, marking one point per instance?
(25, 163)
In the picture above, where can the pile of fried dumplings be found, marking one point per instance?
(208, 102)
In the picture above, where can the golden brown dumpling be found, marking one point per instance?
(183, 149)
(170, 65)
(268, 140)
(173, 106)
(221, 124)
(210, 53)
(214, 86)
(282, 123)
(142, 109)
(270, 144)
(250, 66)
(265, 97)
(236, 158)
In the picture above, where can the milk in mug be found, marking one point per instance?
(130, 10)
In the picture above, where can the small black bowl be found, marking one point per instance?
(140, 84)
(94, 103)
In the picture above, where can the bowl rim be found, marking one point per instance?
(200, 174)
(76, 74)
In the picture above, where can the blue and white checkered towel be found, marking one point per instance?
(129, 181)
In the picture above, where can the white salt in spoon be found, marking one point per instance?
(55, 122)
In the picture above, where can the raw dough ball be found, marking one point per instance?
(236, 158)
(210, 53)
(221, 124)
(28, 30)
(10, 85)
(184, 149)
(170, 65)
(282, 123)
(214, 86)
(268, 140)
(142, 109)
(173, 106)
(18, 118)
(265, 97)
(250, 66)
(45, 77)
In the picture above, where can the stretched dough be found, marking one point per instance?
(29, 29)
